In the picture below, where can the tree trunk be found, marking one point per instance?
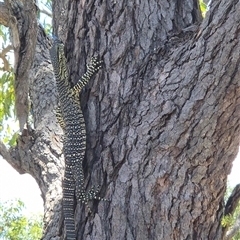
(162, 117)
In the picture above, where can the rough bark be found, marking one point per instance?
(162, 117)
(47, 138)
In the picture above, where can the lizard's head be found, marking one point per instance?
(57, 54)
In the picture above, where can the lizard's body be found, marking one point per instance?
(71, 120)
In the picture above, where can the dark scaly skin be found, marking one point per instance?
(71, 119)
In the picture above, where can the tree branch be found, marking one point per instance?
(11, 156)
(233, 200)
(4, 152)
(6, 65)
(44, 11)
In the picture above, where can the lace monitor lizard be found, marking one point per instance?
(70, 117)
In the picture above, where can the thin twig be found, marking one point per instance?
(46, 12)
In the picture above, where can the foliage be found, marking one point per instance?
(7, 97)
(47, 28)
(47, 4)
(229, 220)
(15, 226)
(237, 236)
(6, 81)
(44, 18)
(203, 7)
(2, 34)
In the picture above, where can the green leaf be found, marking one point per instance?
(203, 7)
(227, 220)
(13, 140)
(3, 34)
(15, 226)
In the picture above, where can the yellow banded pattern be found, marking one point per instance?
(70, 117)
